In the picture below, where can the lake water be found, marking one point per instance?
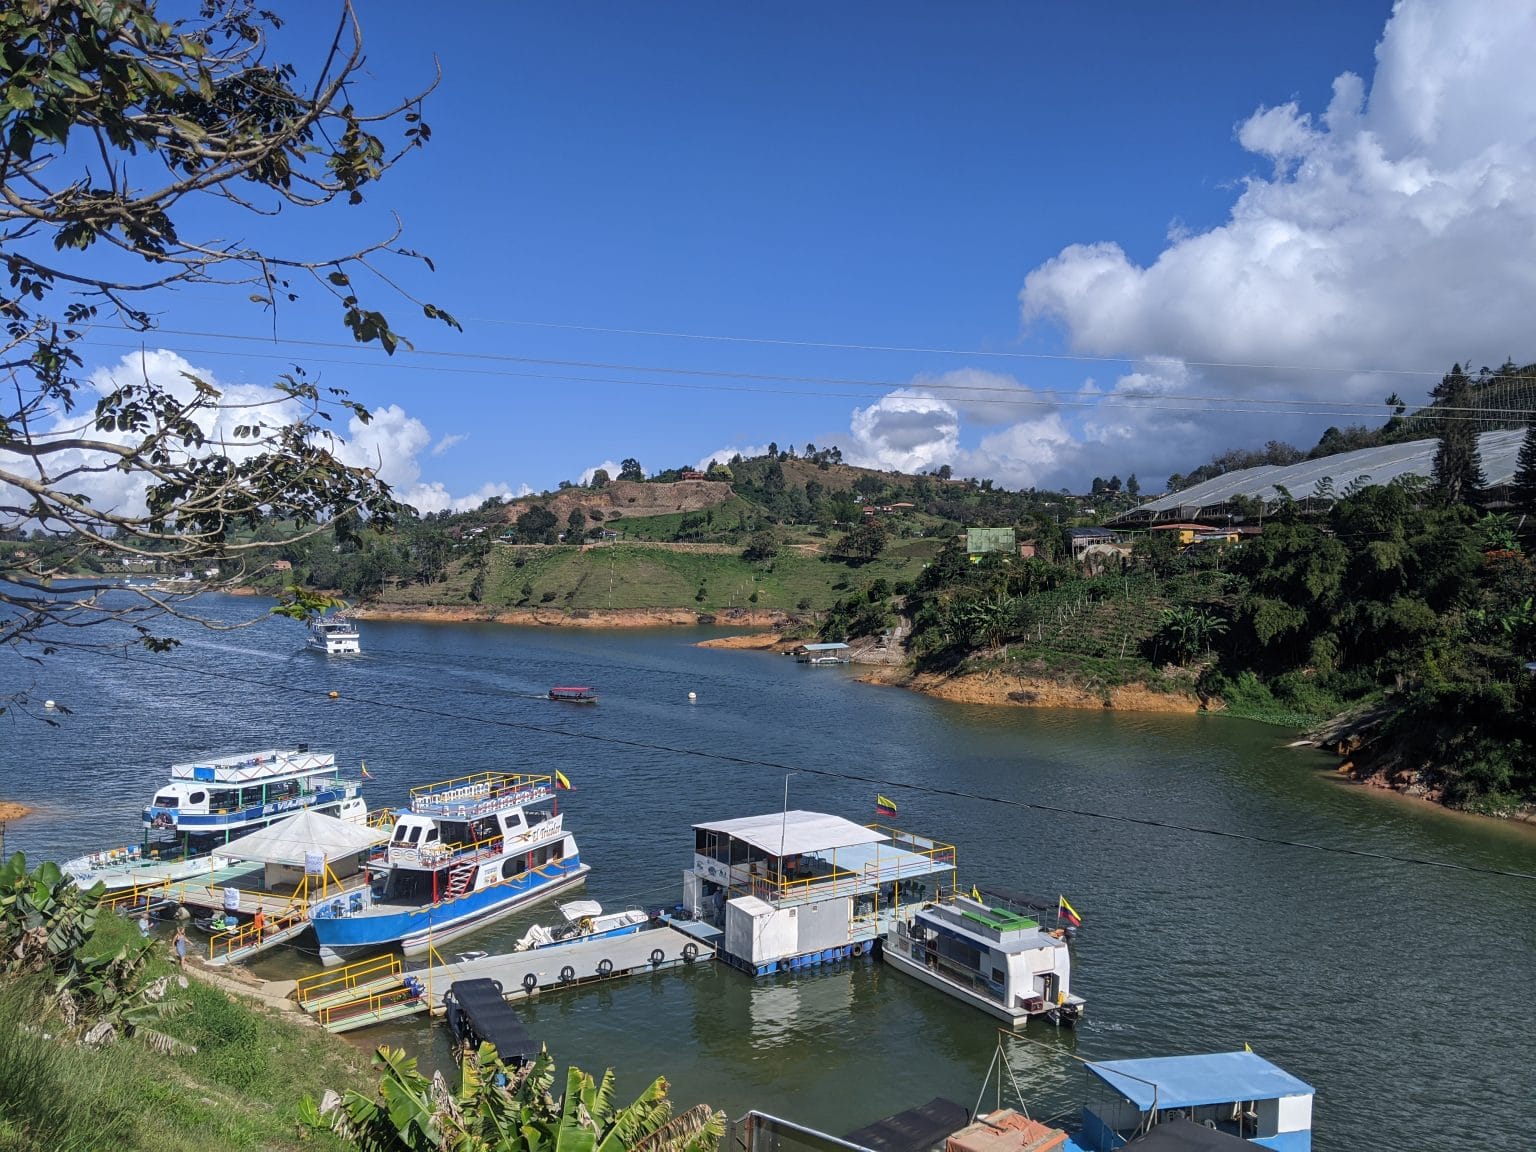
(1403, 993)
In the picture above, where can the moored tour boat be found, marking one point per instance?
(467, 852)
(584, 920)
(992, 957)
(210, 803)
(335, 635)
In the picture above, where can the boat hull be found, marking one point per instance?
(926, 975)
(415, 930)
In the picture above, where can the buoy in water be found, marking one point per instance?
(693, 695)
(50, 705)
(334, 695)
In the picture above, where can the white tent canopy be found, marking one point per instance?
(796, 832)
(290, 841)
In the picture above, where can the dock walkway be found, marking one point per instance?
(341, 1005)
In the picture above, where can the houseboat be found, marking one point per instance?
(210, 803)
(571, 694)
(466, 853)
(584, 920)
(788, 890)
(335, 635)
(820, 654)
(1239, 1095)
(991, 956)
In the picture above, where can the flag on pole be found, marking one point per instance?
(1247, 1047)
(561, 782)
(975, 894)
(365, 771)
(1065, 910)
(884, 806)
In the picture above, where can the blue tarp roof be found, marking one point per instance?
(1189, 1081)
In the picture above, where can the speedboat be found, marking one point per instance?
(584, 920)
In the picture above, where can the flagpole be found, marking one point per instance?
(784, 828)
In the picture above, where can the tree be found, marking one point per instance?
(1458, 472)
(132, 146)
(630, 469)
(1524, 488)
(599, 478)
(537, 525)
(764, 545)
(575, 525)
(1132, 486)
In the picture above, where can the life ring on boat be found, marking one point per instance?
(567, 974)
(657, 955)
(690, 953)
(605, 967)
(530, 982)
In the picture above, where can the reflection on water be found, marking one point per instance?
(1399, 992)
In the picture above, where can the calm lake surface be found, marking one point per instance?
(1403, 993)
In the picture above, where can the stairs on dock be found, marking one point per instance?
(232, 947)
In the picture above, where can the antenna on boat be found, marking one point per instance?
(784, 826)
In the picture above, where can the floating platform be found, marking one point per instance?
(381, 989)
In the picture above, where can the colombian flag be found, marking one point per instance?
(561, 782)
(366, 776)
(1063, 909)
(884, 806)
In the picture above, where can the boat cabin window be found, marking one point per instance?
(250, 796)
(513, 821)
(167, 800)
(452, 832)
(224, 801)
(198, 798)
(407, 833)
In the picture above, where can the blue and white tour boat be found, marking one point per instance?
(207, 804)
(584, 920)
(467, 852)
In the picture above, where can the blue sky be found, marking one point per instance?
(1163, 190)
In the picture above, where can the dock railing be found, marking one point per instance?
(232, 940)
(324, 985)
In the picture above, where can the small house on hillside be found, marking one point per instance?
(691, 475)
(1084, 539)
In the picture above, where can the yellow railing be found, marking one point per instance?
(375, 1002)
(383, 818)
(233, 940)
(493, 784)
(326, 984)
(127, 899)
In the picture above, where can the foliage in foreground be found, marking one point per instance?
(501, 1109)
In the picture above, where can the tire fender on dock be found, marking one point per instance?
(567, 974)
(657, 956)
(605, 967)
(690, 952)
(530, 982)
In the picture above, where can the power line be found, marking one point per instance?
(860, 778)
(1071, 357)
(990, 395)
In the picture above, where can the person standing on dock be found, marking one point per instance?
(259, 925)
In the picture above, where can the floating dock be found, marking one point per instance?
(373, 991)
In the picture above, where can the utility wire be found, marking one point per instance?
(860, 778)
(975, 394)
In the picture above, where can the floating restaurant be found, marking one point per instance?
(793, 889)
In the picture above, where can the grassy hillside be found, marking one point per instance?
(632, 576)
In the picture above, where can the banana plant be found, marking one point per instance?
(500, 1109)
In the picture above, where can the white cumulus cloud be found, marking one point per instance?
(1398, 229)
(907, 430)
(448, 442)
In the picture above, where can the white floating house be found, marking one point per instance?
(793, 889)
(1238, 1093)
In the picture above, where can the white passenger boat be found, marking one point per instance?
(468, 852)
(209, 803)
(335, 635)
(584, 920)
(789, 890)
(992, 957)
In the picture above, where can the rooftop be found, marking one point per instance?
(795, 832)
(1190, 1081)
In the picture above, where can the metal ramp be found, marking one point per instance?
(380, 990)
(233, 947)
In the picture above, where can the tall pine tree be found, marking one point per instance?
(1458, 472)
(1524, 489)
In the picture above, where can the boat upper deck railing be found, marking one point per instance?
(272, 762)
(480, 794)
(434, 855)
